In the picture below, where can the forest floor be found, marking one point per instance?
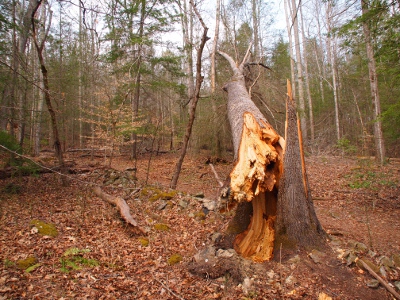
(94, 254)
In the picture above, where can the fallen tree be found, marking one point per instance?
(268, 181)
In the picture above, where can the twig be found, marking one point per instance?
(221, 184)
(168, 289)
(381, 281)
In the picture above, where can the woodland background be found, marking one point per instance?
(121, 73)
(108, 85)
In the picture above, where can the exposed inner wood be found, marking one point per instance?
(257, 242)
(255, 178)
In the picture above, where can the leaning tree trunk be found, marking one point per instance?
(262, 174)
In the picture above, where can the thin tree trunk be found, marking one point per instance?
(373, 80)
(47, 96)
(331, 55)
(302, 107)
(307, 81)
(289, 32)
(216, 119)
(192, 104)
(136, 96)
(255, 29)
(80, 87)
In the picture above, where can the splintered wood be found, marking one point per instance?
(255, 178)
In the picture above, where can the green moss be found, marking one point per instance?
(174, 259)
(8, 263)
(161, 227)
(26, 263)
(11, 188)
(162, 195)
(370, 264)
(200, 215)
(45, 228)
(144, 241)
(73, 259)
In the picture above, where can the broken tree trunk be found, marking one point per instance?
(297, 224)
(255, 181)
(122, 206)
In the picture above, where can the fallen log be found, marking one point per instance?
(122, 206)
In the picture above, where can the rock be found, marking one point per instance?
(323, 296)
(226, 253)
(291, 280)
(206, 255)
(317, 256)
(294, 260)
(210, 204)
(351, 244)
(382, 270)
(373, 284)
(183, 203)
(162, 205)
(247, 284)
(360, 247)
(216, 237)
(386, 262)
(350, 259)
(199, 195)
(397, 284)
(396, 260)
(271, 274)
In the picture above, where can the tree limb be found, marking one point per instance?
(245, 58)
(232, 63)
(122, 206)
(221, 184)
(381, 281)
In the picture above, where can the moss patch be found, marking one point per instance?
(144, 241)
(161, 227)
(162, 195)
(26, 263)
(174, 259)
(200, 215)
(73, 259)
(45, 228)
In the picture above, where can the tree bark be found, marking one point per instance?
(216, 120)
(296, 224)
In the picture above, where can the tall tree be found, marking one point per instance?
(294, 18)
(373, 80)
(193, 102)
(39, 45)
(331, 49)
